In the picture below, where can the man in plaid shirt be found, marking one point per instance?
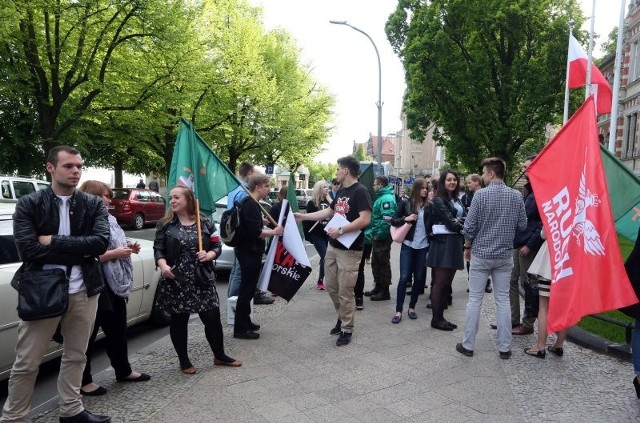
(496, 212)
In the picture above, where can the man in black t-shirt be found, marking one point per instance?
(352, 201)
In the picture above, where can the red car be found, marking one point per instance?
(135, 206)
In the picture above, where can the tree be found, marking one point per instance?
(609, 46)
(490, 74)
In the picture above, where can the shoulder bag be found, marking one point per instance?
(42, 293)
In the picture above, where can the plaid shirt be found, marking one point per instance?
(495, 213)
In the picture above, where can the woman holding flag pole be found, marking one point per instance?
(184, 248)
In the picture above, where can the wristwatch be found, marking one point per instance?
(340, 231)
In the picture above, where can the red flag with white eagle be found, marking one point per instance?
(588, 274)
(577, 76)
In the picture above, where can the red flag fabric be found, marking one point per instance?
(600, 87)
(588, 274)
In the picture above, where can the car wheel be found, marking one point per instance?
(159, 318)
(138, 221)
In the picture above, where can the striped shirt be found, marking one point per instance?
(495, 213)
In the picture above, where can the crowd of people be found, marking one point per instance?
(497, 231)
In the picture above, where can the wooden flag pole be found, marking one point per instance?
(199, 228)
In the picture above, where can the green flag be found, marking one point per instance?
(291, 193)
(366, 179)
(293, 201)
(624, 193)
(196, 166)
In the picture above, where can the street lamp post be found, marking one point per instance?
(379, 103)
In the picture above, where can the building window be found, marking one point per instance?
(631, 144)
(635, 62)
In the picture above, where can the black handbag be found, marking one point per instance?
(42, 293)
(204, 274)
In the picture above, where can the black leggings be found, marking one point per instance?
(212, 331)
(442, 279)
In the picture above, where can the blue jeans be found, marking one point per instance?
(635, 348)
(500, 272)
(412, 262)
(233, 290)
(320, 243)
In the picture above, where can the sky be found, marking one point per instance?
(344, 61)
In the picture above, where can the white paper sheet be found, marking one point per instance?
(347, 238)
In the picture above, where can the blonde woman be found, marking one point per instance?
(318, 237)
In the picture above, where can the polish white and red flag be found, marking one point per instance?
(577, 76)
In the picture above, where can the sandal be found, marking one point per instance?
(557, 351)
(536, 353)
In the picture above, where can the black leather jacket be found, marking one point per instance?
(444, 214)
(167, 242)
(39, 214)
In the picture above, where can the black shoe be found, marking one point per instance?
(246, 335)
(443, 325)
(636, 385)
(100, 390)
(359, 303)
(373, 292)
(142, 378)
(254, 326)
(263, 298)
(343, 339)
(85, 417)
(429, 306)
(505, 355)
(337, 329)
(382, 295)
(557, 351)
(488, 289)
(462, 350)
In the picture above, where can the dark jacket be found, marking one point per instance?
(445, 214)
(167, 241)
(404, 210)
(251, 226)
(632, 266)
(531, 235)
(318, 227)
(39, 214)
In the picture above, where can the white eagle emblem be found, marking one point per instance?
(586, 234)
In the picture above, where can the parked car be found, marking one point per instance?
(139, 307)
(14, 187)
(135, 207)
(273, 196)
(303, 196)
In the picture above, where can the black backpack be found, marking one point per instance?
(230, 224)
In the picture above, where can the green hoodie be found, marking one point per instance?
(384, 206)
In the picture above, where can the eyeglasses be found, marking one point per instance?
(336, 184)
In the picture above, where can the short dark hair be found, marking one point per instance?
(496, 165)
(53, 153)
(382, 180)
(350, 163)
(245, 168)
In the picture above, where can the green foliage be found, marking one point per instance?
(609, 46)
(490, 74)
(607, 330)
(321, 172)
(361, 154)
(113, 77)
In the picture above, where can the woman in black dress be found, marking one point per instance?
(187, 284)
(318, 237)
(445, 251)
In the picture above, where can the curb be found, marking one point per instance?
(586, 339)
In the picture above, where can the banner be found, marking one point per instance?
(568, 179)
(287, 265)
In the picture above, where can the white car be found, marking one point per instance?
(139, 306)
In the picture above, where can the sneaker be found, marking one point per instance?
(336, 329)
(263, 298)
(343, 339)
(462, 350)
(320, 286)
(505, 355)
(359, 303)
